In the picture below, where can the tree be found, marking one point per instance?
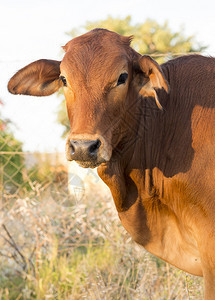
(148, 38)
(156, 40)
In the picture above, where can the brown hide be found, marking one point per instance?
(158, 164)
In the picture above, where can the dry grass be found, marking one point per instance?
(53, 249)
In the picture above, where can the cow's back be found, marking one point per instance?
(189, 126)
(188, 122)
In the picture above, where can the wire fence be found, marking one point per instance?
(22, 173)
(45, 226)
(154, 54)
(34, 188)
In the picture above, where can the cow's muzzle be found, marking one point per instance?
(88, 153)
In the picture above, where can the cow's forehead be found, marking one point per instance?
(97, 56)
(98, 38)
(93, 73)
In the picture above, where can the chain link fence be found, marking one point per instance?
(23, 173)
(56, 221)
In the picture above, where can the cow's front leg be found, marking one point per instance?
(209, 282)
(207, 253)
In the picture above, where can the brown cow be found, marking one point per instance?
(159, 164)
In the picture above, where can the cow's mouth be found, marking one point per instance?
(88, 164)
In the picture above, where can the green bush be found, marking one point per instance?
(11, 160)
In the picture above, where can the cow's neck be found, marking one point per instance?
(130, 174)
(142, 193)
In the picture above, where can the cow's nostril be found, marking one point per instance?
(94, 147)
(72, 147)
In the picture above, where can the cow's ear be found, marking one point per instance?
(150, 77)
(40, 78)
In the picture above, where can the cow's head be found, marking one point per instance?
(101, 75)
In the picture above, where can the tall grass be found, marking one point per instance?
(79, 250)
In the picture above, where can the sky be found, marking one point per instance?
(31, 30)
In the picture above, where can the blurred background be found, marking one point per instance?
(60, 235)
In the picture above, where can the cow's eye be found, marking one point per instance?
(122, 78)
(63, 79)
